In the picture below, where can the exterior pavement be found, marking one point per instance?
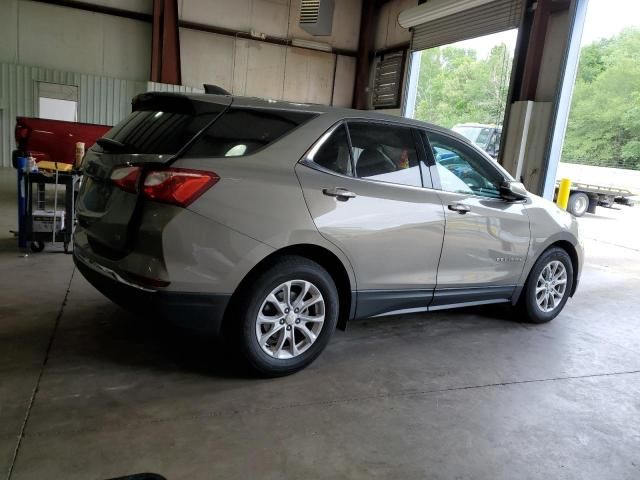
(89, 392)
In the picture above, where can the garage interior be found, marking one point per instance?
(88, 390)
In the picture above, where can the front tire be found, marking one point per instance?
(287, 316)
(548, 286)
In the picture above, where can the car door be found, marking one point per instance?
(364, 190)
(486, 237)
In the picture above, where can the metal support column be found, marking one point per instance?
(559, 123)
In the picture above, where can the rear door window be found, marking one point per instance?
(385, 152)
(243, 131)
(333, 153)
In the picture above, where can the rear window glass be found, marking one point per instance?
(242, 131)
(157, 131)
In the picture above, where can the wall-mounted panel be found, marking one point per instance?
(259, 69)
(270, 17)
(344, 80)
(308, 76)
(206, 58)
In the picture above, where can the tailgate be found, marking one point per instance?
(158, 129)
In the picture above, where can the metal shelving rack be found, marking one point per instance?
(35, 191)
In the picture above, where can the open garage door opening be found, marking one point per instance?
(601, 151)
(464, 86)
(461, 65)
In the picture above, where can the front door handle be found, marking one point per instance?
(461, 208)
(341, 194)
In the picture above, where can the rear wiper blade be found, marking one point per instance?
(111, 144)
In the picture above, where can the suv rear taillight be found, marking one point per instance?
(178, 186)
(126, 178)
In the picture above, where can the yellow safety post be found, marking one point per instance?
(564, 189)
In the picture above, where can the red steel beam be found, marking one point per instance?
(165, 43)
(366, 40)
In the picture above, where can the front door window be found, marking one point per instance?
(462, 170)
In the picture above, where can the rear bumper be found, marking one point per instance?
(194, 311)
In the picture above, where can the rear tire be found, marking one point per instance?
(287, 316)
(548, 286)
(578, 204)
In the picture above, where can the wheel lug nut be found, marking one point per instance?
(297, 320)
(286, 310)
(288, 327)
(296, 310)
(281, 321)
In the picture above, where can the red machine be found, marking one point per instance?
(53, 140)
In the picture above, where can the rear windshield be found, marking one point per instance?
(157, 131)
(242, 131)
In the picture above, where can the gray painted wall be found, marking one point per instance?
(74, 40)
(108, 57)
(254, 68)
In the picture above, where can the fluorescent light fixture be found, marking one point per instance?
(435, 9)
(324, 47)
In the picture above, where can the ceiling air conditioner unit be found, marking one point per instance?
(316, 16)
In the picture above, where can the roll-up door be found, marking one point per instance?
(488, 16)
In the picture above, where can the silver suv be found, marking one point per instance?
(274, 223)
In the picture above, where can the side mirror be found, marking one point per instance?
(513, 191)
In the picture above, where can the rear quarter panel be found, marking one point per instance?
(260, 196)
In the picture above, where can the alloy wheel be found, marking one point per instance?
(290, 319)
(551, 286)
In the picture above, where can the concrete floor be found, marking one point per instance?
(89, 392)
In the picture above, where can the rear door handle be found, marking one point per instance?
(461, 208)
(341, 194)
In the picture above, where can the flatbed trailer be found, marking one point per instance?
(585, 197)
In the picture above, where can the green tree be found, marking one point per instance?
(454, 86)
(604, 122)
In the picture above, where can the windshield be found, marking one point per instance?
(478, 135)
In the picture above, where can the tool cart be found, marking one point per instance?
(41, 223)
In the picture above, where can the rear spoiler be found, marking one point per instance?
(176, 102)
(214, 90)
